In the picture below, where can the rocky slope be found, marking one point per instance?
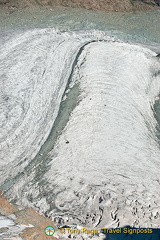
(106, 5)
(26, 223)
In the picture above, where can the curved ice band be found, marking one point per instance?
(103, 168)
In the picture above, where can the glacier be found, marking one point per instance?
(78, 132)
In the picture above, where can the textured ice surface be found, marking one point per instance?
(10, 229)
(4, 222)
(101, 169)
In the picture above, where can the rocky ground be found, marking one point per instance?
(105, 5)
(34, 222)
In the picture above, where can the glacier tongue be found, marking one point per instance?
(102, 170)
(108, 172)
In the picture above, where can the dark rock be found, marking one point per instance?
(109, 5)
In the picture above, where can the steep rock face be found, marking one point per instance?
(106, 5)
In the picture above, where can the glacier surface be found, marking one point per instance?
(78, 133)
